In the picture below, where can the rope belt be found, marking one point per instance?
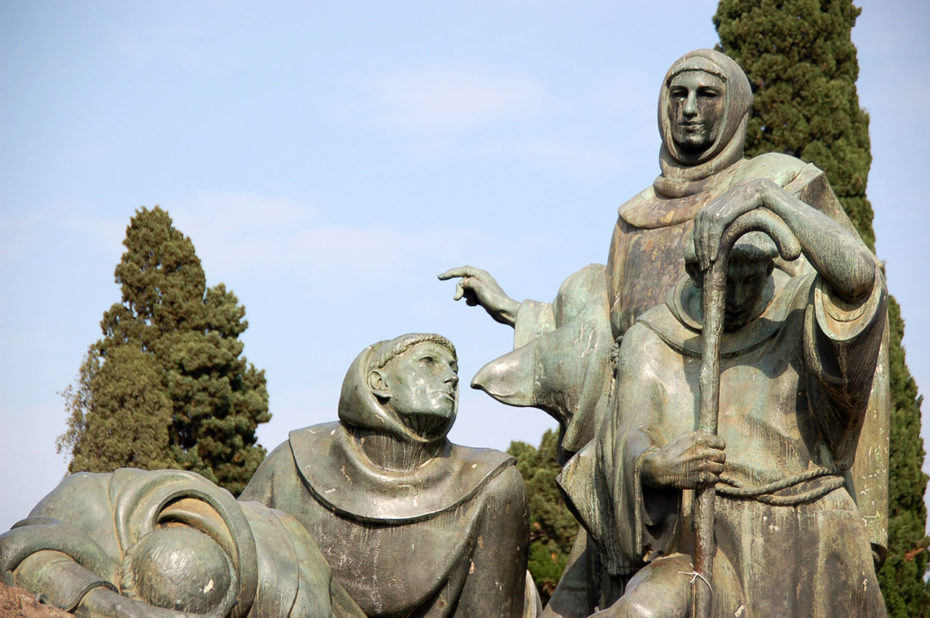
(732, 488)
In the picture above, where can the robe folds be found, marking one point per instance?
(564, 356)
(446, 538)
(795, 386)
(411, 544)
(82, 536)
(564, 353)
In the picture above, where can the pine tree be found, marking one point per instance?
(801, 62)
(552, 527)
(167, 385)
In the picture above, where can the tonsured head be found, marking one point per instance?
(416, 377)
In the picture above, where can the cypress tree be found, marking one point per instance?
(552, 526)
(167, 385)
(801, 62)
(103, 435)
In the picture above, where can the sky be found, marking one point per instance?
(328, 159)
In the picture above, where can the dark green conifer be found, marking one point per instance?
(552, 527)
(101, 435)
(801, 62)
(167, 385)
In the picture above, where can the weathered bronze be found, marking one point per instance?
(166, 543)
(410, 523)
(562, 358)
(797, 358)
(713, 292)
(377, 514)
(713, 431)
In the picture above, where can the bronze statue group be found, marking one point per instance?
(735, 290)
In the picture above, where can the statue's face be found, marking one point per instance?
(423, 381)
(696, 105)
(745, 286)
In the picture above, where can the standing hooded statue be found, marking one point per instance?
(410, 523)
(565, 352)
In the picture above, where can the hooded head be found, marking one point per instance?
(749, 265)
(406, 387)
(685, 166)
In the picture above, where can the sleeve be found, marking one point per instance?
(562, 358)
(57, 578)
(292, 571)
(66, 547)
(642, 521)
(842, 342)
(572, 301)
(533, 320)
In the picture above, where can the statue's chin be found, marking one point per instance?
(691, 153)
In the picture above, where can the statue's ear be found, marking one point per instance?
(378, 385)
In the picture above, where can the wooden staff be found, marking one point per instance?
(714, 304)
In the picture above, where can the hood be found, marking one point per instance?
(678, 178)
(359, 408)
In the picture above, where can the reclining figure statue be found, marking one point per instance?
(377, 514)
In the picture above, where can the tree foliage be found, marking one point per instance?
(552, 526)
(902, 577)
(802, 66)
(801, 62)
(167, 385)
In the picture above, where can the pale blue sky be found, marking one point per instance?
(328, 159)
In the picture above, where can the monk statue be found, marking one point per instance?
(377, 514)
(565, 352)
(166, 543)
(411, 524)
(798, 356)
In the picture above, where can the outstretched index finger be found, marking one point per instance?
(458, 271)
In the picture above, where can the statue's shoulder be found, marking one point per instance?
(780, 168)
(472, 458)
(309, 437)
(301, 444)
(642, 210)
(304, 447)
(493, 471)
(90, 490)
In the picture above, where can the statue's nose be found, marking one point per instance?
(690, 108)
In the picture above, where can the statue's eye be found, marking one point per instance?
(429, 361)
(709, 93)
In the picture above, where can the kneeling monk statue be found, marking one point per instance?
(410, 523)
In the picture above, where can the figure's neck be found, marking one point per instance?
(392, 453)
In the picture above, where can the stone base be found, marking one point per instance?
(19, 602)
